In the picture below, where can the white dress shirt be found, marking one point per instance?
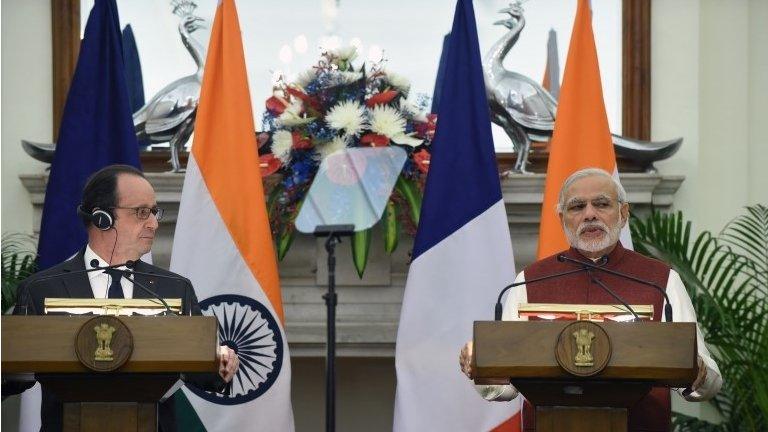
(682, 311)
(100, 280)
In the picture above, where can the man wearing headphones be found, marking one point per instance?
(121, 216)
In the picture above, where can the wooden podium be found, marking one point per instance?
(147, 356)
(584, 375)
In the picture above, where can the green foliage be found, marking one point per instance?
(18, 258)
(727, 278)
(391, 226)
(361, 244)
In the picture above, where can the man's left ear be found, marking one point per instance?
(624, 211)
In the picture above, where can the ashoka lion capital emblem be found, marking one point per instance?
(584, 339)
(104, 333)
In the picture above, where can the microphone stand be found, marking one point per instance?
(334, 234)
(498, 309)
(129, 272)
(584, 264)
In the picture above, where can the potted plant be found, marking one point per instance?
(727, 278)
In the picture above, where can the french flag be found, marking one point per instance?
(462, 256)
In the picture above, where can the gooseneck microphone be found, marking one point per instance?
(588, 265)
(129, 272)
(95, 267)
(498, 309)
(613, 294)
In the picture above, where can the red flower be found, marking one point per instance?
(301, 142)
(426, 130)
(421, 159)
(276, 105)
(268, 164)
(384, 97)
(374, 140)
(307, 99)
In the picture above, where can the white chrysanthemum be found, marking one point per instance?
(387, 121)
(331, 147)
(347, 116)
(292, 115)
(282, 141)
(399, 82)
(412, 110)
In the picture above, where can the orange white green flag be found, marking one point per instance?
(582, 137)
(223, 244)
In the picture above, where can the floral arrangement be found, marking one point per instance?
(332, 106)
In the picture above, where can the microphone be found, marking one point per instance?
(612, 293)
(129, 272)
(152, 293)
(95, 267)
(604, 259)
(498, 308)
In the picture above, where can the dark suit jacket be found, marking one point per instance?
(74, 283)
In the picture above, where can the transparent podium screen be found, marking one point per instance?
(352, 186)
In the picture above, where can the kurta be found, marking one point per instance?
(653, 412)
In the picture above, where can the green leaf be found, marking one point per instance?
(284, 240)
(726, 276)
(408, 189)
(18, 263)
(391, 227)
(287, 232)
(361, 244)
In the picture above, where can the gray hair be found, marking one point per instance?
(589, 172)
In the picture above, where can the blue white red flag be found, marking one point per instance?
(462, 256)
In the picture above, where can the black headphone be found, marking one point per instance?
(101, 219)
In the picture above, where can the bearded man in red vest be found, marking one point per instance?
(593, 209)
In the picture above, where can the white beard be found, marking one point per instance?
(610, 238)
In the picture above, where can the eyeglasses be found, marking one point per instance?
(143, 213)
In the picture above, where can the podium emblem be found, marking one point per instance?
(103, 343)
(250, 329)
(583, 348)
(583, 356)
(104, 333)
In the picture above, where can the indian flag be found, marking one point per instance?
(582, 137)
(224, 245)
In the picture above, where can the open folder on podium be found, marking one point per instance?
(584, 375)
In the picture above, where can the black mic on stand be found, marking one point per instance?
(130, 271)
(612, 293)
(498, 309)
(584, 264)
(94, 263)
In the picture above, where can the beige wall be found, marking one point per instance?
(26, 101)
(710, 85)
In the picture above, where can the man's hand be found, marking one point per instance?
(465, 360)
(702, 375)
(228, 363)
